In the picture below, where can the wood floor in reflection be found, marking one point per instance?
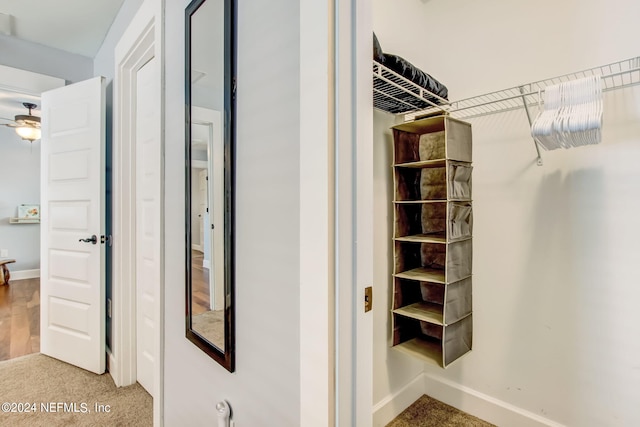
(199, 284)
(20, 311)
(19, 318)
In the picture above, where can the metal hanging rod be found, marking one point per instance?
(616, 75)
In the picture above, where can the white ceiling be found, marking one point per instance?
(76, 26)
(207, 54)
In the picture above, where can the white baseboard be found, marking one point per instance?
(24, 274)
(391, 406)
(464, 398)
(481, 405)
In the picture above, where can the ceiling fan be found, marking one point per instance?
(27, 126)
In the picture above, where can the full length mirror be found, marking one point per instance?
(210, 140)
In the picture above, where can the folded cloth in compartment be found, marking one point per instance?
(417, 76)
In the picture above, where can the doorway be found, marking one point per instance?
(20, 240)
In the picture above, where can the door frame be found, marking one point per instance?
(354, 214)
(140, 42)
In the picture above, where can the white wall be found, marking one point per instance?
(266, 385)
(555, 247)
(41, 59)
(104, 61)
(20, 178)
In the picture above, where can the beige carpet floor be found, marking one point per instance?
(428, 412)
(76, 396)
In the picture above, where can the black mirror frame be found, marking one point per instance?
(227, 357)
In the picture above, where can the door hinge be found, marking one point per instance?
(106, 239)
(368, 298)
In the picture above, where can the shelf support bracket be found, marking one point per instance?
(526, 109)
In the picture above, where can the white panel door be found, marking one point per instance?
(216, 201)
(72, 318)
(148, 205)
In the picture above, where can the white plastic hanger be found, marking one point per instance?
(571, 115)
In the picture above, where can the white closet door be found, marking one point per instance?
(72, 284)
(148, 227)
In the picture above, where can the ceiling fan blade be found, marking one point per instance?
(20, 124)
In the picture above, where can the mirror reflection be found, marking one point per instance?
(209, 153)
(207, 249)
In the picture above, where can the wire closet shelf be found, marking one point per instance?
(395, 94)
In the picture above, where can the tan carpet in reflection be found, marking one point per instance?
(210, 325)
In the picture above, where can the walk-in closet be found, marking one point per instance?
(515, 299)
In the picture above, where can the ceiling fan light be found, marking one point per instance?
(29, 133)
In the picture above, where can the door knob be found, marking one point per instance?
(93, 240)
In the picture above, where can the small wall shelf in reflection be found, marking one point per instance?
(24, 220)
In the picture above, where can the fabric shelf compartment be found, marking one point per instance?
(450, 262)
(448, 180)
(440, 345)
(421, 184)
(433, 302)
(419, 300)
(441, 222)
(432, 138)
